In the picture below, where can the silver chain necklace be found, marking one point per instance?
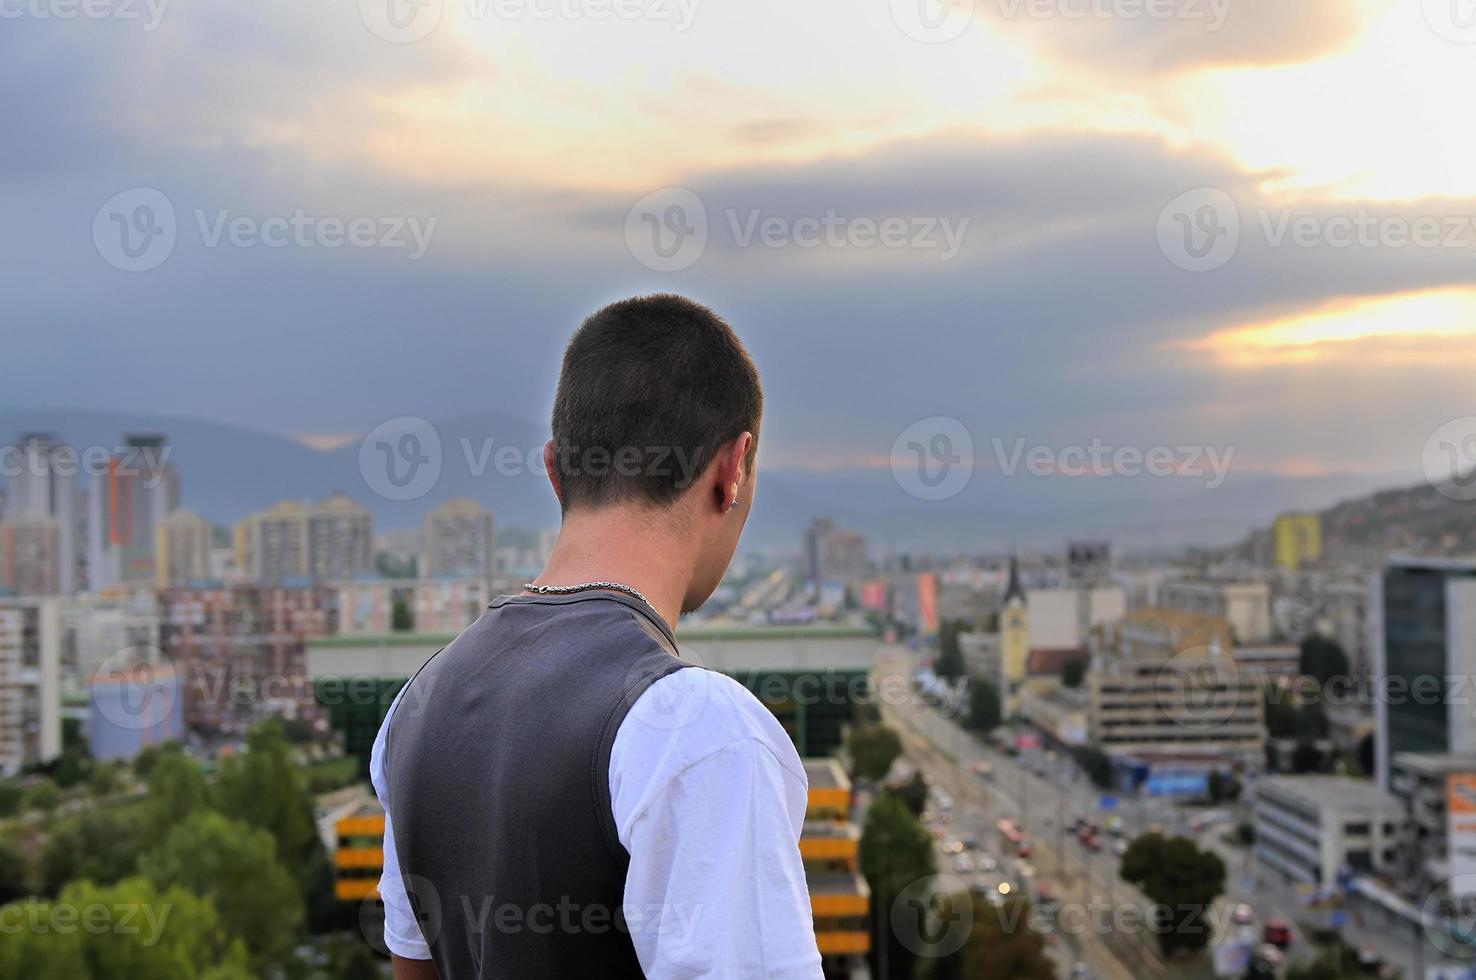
(585, 587)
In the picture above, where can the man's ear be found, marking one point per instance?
(728, 470)
(551, 468)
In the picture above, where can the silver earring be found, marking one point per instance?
(733, 504)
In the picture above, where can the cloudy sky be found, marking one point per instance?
(1214, 222)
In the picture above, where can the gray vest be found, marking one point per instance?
(497, 761)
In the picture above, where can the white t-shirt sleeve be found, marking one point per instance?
(401, 930)
(709, 798)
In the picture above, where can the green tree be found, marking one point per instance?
(35, 951)
(1323, 658)
(1182, 881)
(1096, 764)
(1312, 721)
(11, 798)
(15, 873)
(101, 845)
(44, 796)
(913, 792)
(176, 789)
(263, 787)
(163, 934)
(1073, 671)
(402, 620)
(1223, 787)
(896, 852)
(984, 710)
(1002, 945)
(235, 866)
(873, 749)
(1281, 714)
(950, 662)
(1366, 753)
(105, 780)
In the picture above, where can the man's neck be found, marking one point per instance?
(627, 545)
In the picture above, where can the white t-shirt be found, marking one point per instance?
(711, 814)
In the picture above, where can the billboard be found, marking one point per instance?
(1460, 816)
(927, 603)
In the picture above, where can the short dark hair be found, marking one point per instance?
(650, 388)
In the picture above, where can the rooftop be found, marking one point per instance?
(1435, 763)
(1337, 792)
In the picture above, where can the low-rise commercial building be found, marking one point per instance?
(1317, 829)
(1165, 682)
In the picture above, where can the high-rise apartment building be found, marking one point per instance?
(182, 549)
(291, 542)
(30, 682)
(457, 540)
(1296, 540)
(43, 488)
(272, 544)
(31, 556)
(831, 552)
(1424, 646)
(340, 539)
(132, 495)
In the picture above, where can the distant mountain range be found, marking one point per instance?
(227, 472)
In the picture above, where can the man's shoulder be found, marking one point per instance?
(691, 714)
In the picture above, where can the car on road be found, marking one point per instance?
(1120, 846)
(986, 862)
(953, 846)
(1080, 971)
(963, 864)
(1115, 827)
(1243, 915)
(1278, 933)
